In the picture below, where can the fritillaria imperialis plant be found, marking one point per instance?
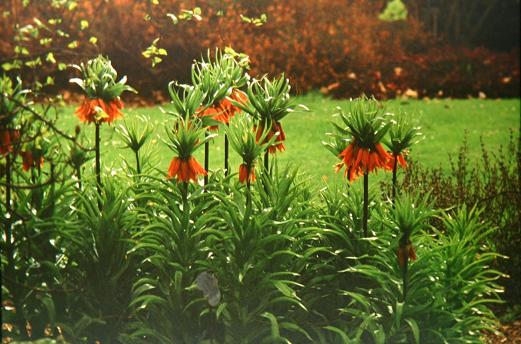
(402, 135)
(409, 215)
(103, 103)
(364, 129)
(220, 79)
(184, 140)
(244, 140)
(186, 136)
(268, 103)
(186, 101)
(135, 138)
(12, 98)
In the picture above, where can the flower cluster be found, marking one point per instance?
(249, 142)
(12, 103)
(187, 133)
(31, 159)
(405, 252)
(359, 160)
(269, 102)
(219, 79)
(185, 170)
(246, 174)
(9, 138)
(402, 135)
(224, 110)
(12, 96)
(92, 110)
(364, 128)
(275, 132)
(397, 159)
(99, 84)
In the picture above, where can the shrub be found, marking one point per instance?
(350, 50)
(493, 185)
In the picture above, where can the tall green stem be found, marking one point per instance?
(366, 202)
(185, 195)
(138, 165)
(395, 167)
(405, 279)
(206, 158)
(10, 271)
(248, 194)
(78, 174)
(226, 153)
(267, 160)
(98, 162)
(53, 185)
(33, 177)
(8, 207)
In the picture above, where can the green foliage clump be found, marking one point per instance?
(394, 11)
(142, 258)
(493, 185)
(99, 79)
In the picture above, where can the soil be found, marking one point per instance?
(508, 333)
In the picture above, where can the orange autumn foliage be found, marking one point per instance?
(349, 47)
(338, 46)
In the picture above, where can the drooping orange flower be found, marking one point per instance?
(215, 112)
(185, 170)
(401, 161)
(246, 174)
(358, 160)
(88, 110)
(224, 110)
(30, 161)
(239, 97)
(278, 145)
(406, 252)
(228, 108)
(8, 139)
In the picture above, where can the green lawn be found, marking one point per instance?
(444, 124)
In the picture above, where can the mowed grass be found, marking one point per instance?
(444, 122)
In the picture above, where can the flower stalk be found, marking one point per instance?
(359, 144)
(102, 103)
(206, 157)
(226, 155)
(219, 78)
(366, 204)
(247, 141)
(402, 135)
(268, 103)
(138, 164)
(98, 161)
(135, 135)
(395, 167)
